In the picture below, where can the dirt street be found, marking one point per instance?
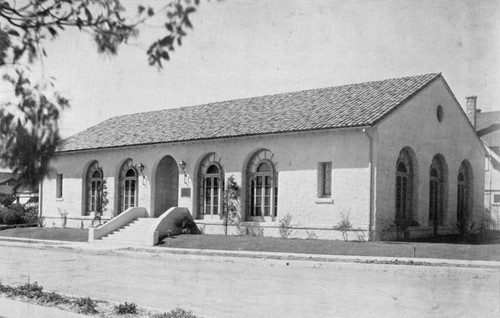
(243, 287)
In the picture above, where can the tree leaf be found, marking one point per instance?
(52, 31)
(89, 15)
(13, 32)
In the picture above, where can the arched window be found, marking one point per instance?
(128, 186)
(404, 186)
(463, 193)
(263, 185)
(436, 192)
(129, 189)
(211, 185)
(93, 184)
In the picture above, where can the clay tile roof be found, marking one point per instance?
(354, 105)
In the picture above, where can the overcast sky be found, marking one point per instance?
(244, 48)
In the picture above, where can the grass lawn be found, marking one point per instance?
(439, 249)
(57, 234)
(487, 252)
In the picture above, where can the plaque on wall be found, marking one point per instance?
(185, 192)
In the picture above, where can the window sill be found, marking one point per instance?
(209, 217)
(323, 201)
(59, 199)
(261, 219)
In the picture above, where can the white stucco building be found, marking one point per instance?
(397, 149)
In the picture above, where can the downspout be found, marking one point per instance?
(371, 228)
(40, 203)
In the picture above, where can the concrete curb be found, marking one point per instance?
(84, 246)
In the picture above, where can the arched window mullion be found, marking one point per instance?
(211, 192)
(404, 187)
(94, 178)
(262, 185)
(463, 193)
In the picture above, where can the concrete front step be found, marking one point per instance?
(133, 234)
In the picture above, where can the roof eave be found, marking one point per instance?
(353, 127)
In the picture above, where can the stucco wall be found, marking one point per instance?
(296, 156)
(415, 125)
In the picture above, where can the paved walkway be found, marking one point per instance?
(14, 309)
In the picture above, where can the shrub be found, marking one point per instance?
(232, 205)
(344, 225)
(86, 305)
(31, 215)
(53, 298)
(126, 308)
(29, 290)
(285, 227)
(186, 223)
(176, 313)
(13, 214)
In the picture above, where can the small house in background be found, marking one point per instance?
(381, 155)
(10, 186)
(488, 129)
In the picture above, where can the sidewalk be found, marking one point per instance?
(14, 308)
(96, 247)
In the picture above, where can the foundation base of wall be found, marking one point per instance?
(414, 233)
(71, 222)
(273, 230)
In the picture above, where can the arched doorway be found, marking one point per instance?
(166, 186)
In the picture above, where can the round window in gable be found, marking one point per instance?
(439, 113)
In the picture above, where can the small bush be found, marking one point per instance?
(285, 227)
(176, 313)
(344, 225)
(31, 215)
(186, 224)
(6, 289)
(86, 305)
(53, 298)
(13, 214)
(29, 290)
(126, 308)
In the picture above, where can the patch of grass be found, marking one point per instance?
(86, 305)
(176, 313)
(126, 308)
(33, 293)
(53, 298)
(30, 290)
(56, 234)
(488, 252)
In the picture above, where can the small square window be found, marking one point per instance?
(496, 199)
(59, 186)
(325, 180)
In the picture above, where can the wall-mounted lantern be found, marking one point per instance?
(182, 166)
(141, 167)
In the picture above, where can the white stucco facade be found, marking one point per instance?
(417, 127)
(296, 157)
(363, 173)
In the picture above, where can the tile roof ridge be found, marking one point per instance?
(276, 94)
